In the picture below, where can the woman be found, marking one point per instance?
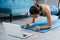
(40, 10)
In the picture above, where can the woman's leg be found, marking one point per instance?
(53, 9)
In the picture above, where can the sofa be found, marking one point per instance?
(15, 7)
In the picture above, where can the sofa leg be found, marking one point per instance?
(26, 14)
(11, 17)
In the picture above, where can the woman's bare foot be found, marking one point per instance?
(37, 28)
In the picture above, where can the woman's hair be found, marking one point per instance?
(40, 7)
(37, 5)
(34, 10)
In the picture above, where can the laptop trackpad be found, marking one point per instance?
(24, 35)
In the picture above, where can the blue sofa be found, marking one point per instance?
(15, 7)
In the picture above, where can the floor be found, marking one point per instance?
(51, 35)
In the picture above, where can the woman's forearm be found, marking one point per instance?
(32, 20)
(45, 27)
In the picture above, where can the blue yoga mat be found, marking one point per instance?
(55, 24)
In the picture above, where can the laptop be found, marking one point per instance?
(15, 30)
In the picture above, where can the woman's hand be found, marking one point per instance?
(28, 25)
(37, 28)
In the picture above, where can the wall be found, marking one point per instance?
(41, 1)
(49, 2)
(53, 2)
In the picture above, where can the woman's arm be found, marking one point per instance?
(48, 19)
(32, 21)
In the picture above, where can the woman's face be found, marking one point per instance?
(40, 12)
(35, 15)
